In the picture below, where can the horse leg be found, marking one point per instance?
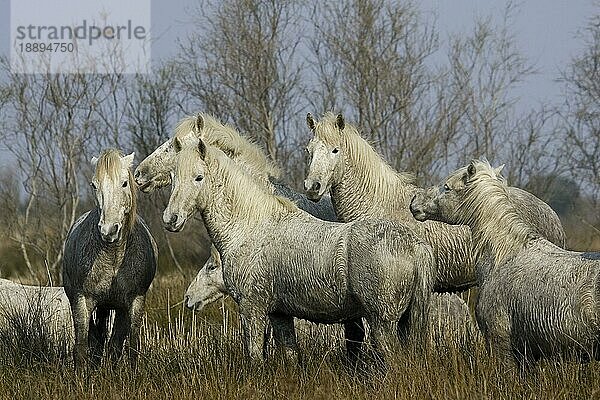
(354, 334)
(136, 313)
(119, 333)
(284, 335)
(253, 326)
(499, 347)
(81, 310)
(384, 338)
(97, 334)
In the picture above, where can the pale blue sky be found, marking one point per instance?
(546, 32)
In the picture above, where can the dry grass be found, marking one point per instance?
(200, 356)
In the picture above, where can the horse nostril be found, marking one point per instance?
(137, 174)
(173, 219)
(114, 229)
(411, 206)
(316, 186)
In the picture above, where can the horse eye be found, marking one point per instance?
(334, 151)
(446, 187)
(125, 184)
(198, 178)
(93, 185)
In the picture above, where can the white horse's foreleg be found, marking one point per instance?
(499, 347)
(384, 338)
(81, 309)
(253, 325)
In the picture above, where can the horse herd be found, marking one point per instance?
(363, 244)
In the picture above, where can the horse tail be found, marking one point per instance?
(415, 326)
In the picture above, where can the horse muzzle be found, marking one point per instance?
(313, 190)
(145, 185)
(417, 211)
(175, 223)
(110, 233)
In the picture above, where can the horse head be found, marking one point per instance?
(114, 193)
(325, 152)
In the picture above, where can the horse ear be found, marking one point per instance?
(310, 122)
(202, 149)
(339, 122)
(498, 170)
(94, 161)
(176, 144)
(199, 125)
(471, 169)
(128, 160)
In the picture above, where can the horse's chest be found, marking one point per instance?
(103, 280)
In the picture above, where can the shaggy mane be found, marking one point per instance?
(487, 208)
(231, 142)
(376, 170)
(109, 166)
(250, 197)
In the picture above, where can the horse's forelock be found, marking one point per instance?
(327, 130)
(109, 165)
(187, 159)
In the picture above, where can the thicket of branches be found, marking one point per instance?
(261, 65)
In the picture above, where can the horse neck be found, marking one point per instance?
(367, 185)
(240, 149)
(236, 208)
(261, 176)
(498, 230)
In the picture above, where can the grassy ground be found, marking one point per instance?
(189, 356)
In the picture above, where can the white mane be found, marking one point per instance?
(380, 175)
(488, 210)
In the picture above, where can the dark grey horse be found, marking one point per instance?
(109, 263)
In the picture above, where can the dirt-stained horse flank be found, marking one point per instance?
(45, 305)
(449, 321)
(109, 263)
(535, 299)
(363, 186)
(280, 262)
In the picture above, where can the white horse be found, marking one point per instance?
(154, 172)
(535, 299)
(363, 186)
(48, 304)
(449, 320)
(280, 262)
